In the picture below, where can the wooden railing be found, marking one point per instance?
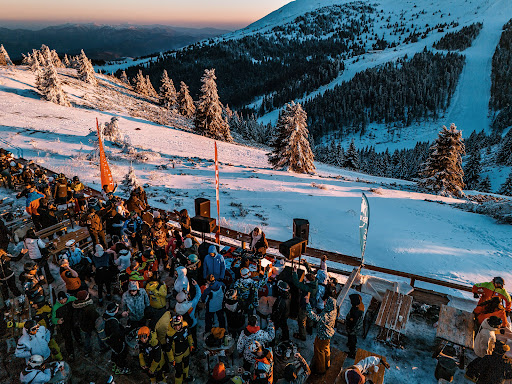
(333, 257)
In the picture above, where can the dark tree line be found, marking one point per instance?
(401, 164)
(460, 40)
(402, 92)
(501, 80)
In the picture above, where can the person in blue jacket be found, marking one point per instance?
(214, 264)
(213, 296)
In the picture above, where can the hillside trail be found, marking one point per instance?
(469, 108)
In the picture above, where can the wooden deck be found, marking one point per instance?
(376, 377)
(337, 360)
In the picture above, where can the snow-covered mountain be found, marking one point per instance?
(410, 231)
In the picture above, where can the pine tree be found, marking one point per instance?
(209, 121)
(185, 102)
(4, 57)
(506, 187)
(130, 181)
(94, 155)
(56, 60)
(504, 155)
(51, 88)
(66, 61)
(291, 146)
(140, 84)
(149, 87)
(485, 185)
(45, 57)
(352, 157)
(442, 172)
(124, 78)
(86, 70)
(472, 170)
(167, 92)
(112, 131)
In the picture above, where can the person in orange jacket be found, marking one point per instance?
(490, 308)
(494, 288)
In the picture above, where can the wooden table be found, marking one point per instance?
(376, 377)
(456, 326)
(49, 231)
(60, 244)
(393, 316)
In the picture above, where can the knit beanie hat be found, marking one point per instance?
(111, 309)
(188, 242)
(133, 286)
(219, 372)
(62, 295)
(83, 295)
(245, 272)
(355, 377)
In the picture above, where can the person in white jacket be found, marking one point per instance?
(35, 372)
(34, 341)
(253, 333)
(123, 260)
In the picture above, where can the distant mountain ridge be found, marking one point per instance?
(104, 42)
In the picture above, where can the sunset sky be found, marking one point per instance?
(194, 13)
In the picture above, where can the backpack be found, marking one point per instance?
(100, 327)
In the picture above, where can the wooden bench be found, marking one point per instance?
(393, 316)
(51, 230)
(337, 360)
(18, 222)
(79, 236)
(376, 377)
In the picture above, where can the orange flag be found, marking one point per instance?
(106, 175)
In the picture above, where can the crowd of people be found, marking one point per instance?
(143, 285)
(146, 284)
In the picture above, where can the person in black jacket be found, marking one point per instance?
(7, 279)
(115, 334)
(281, 309)
(495, 368)
(234, 313)
(84, 317)
(354, 323)
(258, 242)
(63, 319)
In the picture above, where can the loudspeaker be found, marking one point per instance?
(301, 229)
(202, 207)
(293, 248)
(203, 224)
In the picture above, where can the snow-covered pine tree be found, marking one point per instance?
(504, 155)
(4, 57)
(167, 95)
(94, 155)
(57, 63)
(124, 78)
(185, 102)
(86, 70)
(51, 88)
(291, 146)
(209, 120)
(442, 171)
(130, 181)
(140, 85)
(27, 59)
(150, 88)
(45, 57)
(66, 61)
(112, 131)
(352, 157)
(472, 170)
(506, 187)
(485, 185)
(35, 65)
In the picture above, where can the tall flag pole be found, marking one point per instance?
(364, 223)
(106, 175)
(217, 193)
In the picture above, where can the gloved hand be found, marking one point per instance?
(476, 295)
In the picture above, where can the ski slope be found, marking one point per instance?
(469, 105)
(407, 233)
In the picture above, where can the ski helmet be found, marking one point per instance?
(255, 346)
(35, 361)
(498, 281)
(177, 320)
(283, 286)
(231, 294)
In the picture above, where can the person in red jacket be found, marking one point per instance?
(494, 288)
(490, 308)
